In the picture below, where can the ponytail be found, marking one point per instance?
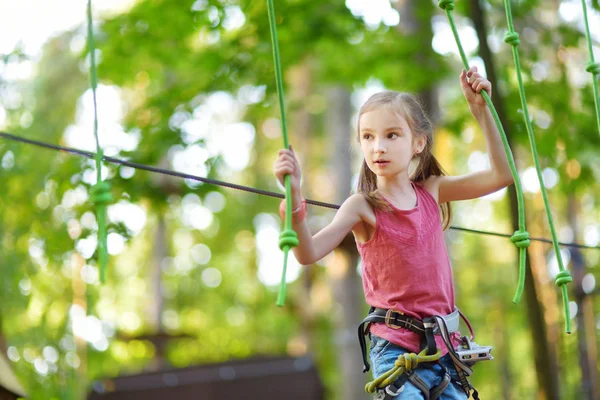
(367, 186)
(429, 166)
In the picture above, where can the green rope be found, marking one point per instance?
(405, 362)
(100, 192)
(521, 237)
(563, 277)
(592, 67)
(288, 237)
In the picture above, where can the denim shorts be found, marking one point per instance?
(383, 354)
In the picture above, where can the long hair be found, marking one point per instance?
(404, 105)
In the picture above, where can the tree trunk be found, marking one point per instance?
(300, 82)
(342, 268)
(418, 26)
(586, 337)
(545, 354)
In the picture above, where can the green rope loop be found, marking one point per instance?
(562, 278)
(511, 161)
(593, 68)
(100, 193)
(512, 38)
(531, 136)
(288, 238)
(446, 4)
(591, 65)
(521, 239)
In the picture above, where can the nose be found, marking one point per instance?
(380, 147)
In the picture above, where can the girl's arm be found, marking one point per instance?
(313, 248)
(498, 176)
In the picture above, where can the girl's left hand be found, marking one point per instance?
(473, 83)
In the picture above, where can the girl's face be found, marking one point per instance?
(387, 143)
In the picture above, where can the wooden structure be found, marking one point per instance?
(258, 378)
(10, 389)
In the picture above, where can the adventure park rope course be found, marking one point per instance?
(100, 193)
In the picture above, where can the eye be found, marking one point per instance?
(366, 136)
(393, 135)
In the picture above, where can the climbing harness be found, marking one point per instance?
(391, 383)
(288, 237)
(100, 192)
(563, 277)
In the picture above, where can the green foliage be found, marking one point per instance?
(168, 60)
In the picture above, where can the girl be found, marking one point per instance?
(396, 221)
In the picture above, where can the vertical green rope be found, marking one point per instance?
(563, 276)
(100, 192)
(288, 237)
(521, 237)
(592, 67)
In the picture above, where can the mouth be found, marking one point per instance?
(381, 162)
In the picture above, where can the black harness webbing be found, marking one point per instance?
(396, 319)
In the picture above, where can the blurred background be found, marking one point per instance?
(189, 301)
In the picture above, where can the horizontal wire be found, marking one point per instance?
(209, 181)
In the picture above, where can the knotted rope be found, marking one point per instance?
(521, 236)
(405, 362)
(288, 237)
(592, 67)
(512, 38)
(100, 193)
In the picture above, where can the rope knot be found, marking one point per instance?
(593, 68)
(101, 193)
(409, 361)
(562, 278)
(521, 239)
(446, 4)
(512, 38)
(288, 238)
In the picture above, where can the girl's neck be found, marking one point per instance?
(396, 188)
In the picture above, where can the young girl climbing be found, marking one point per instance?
(398, 227)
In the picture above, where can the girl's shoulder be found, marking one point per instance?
(432, 186)
(363, 230)
(357, 203)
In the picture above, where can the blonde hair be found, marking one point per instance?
(404, 105)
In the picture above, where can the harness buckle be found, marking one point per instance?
(392, 393)
(388, 317)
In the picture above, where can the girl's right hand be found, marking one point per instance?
(287, 164)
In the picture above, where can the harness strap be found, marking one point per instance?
(429, 324)
(391, 391)
(392, 318)
(420, 384)
(437, 391)
(462, 369)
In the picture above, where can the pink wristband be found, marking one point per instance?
(298, 214)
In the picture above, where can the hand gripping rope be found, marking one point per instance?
(100, 192)
(288, 237)
(521, 237)
(592, 67)
(563, 277)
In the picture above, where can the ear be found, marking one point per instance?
(419, 144)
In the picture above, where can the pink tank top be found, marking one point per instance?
(405, 267)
